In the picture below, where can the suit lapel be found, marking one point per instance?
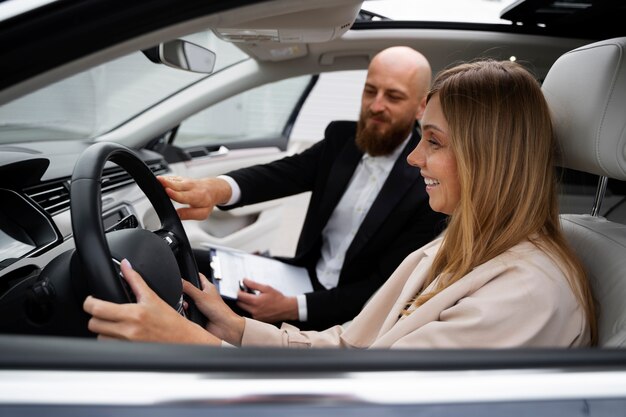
(400, 179)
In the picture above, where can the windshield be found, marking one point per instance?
(95, 101)
(10, 8)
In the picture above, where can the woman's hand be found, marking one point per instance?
(222, 321)
(201, 195)
(148, 320)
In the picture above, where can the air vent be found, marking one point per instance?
(54, 196)
(114, 178)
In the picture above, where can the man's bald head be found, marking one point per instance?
(407, 61)
(394, 96)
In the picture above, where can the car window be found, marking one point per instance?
(99, 99)
(336, 96)
(578, 191)
(258, 114)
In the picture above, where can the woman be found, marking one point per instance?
(501, 275)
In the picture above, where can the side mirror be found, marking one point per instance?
(183, 55)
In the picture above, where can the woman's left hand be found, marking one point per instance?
(150, 319)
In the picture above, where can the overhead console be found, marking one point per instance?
(284, 36)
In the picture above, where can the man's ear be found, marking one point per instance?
(420, 109)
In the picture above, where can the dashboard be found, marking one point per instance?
(35, 218)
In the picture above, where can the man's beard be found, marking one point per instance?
(376, 142)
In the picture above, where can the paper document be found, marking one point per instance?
(229, 266)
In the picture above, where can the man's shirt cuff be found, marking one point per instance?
(235, 190)
(302, 311)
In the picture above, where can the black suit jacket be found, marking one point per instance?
(399, 221)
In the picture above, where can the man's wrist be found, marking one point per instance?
(231, 193)
(292, 308)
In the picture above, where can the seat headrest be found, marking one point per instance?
(586, 92)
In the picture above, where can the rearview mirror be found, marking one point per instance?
(183, 55)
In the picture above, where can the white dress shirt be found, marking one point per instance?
(344, 222)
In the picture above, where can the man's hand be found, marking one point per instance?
(150, 319)
(268, 305)
(200, 195)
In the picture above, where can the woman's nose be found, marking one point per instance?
(416, 157)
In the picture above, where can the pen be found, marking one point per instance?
(243, 287)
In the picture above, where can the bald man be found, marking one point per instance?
(368, 208)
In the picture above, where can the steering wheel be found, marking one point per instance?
(161, 257)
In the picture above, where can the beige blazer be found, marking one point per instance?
(518, 299)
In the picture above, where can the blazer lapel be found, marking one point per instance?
(432, 309)
(400, 179)
(380, 314)
(413, 284)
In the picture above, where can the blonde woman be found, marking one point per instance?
(500, 276)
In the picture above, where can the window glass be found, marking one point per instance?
(578, 192)
(97, 100)
(336, 96)
(469, 11)
(260, 113)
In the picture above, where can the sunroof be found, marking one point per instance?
(469, 11)
(548, 11)
(584, 19)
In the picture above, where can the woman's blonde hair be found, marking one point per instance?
(501, 135)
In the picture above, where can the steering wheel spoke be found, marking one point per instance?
(170, 238)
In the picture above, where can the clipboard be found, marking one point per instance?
(230, 266)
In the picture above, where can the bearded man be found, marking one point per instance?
(368, 208)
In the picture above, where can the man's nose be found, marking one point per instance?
(378, 105)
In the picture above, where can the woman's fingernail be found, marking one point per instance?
(127, 263)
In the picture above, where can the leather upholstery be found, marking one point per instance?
(586, 91)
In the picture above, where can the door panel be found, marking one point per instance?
(272, 226)
(240, 129)
(300, 107)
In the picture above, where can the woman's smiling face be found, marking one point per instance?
(436, 161)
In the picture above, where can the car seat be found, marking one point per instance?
(586, 92)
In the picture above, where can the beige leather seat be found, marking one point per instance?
(586, 91)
